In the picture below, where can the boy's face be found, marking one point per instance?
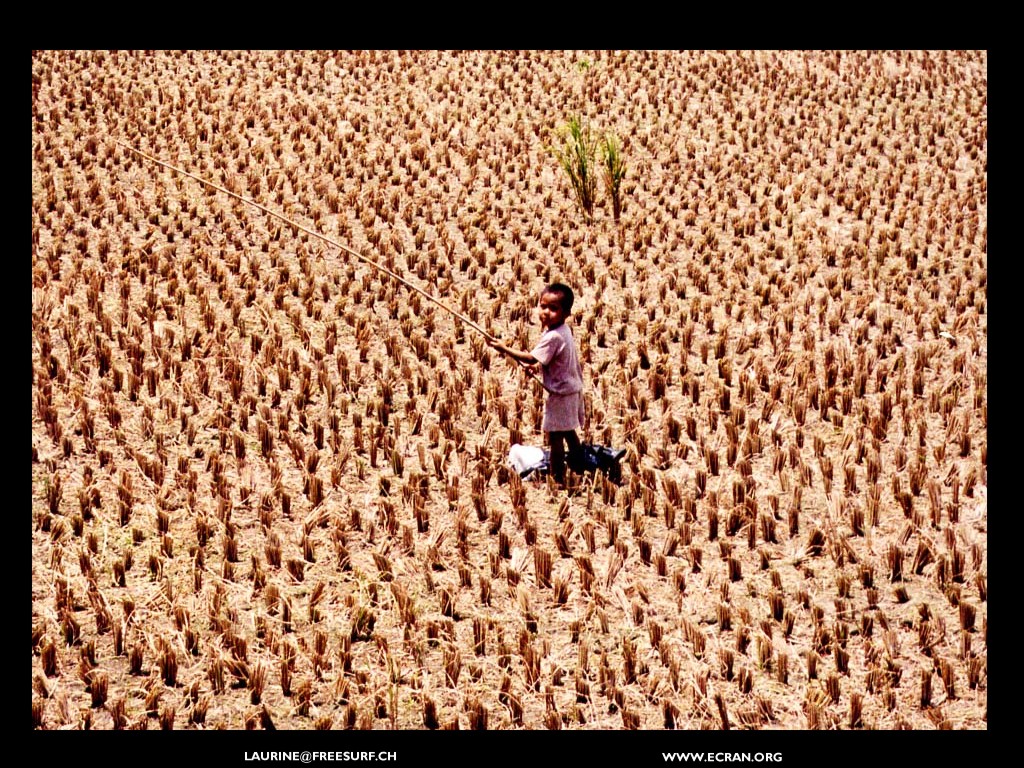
(551, 313)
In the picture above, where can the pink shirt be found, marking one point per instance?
(556, 352)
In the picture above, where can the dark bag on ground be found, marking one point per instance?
(588, 459)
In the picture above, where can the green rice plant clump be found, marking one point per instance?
(614, 171)
(576, 153)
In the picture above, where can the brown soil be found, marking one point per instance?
(269, 482)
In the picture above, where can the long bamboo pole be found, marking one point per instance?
(376, 265)
(314, 233)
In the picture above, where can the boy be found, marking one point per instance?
(559, 362)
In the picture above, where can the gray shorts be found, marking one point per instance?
(563, 413)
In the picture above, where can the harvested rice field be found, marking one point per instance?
(270, 441)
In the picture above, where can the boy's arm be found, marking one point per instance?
(516, 354)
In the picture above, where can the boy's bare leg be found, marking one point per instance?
(557, 440)
(573, 442)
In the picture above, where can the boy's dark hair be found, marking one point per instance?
(565, 295)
